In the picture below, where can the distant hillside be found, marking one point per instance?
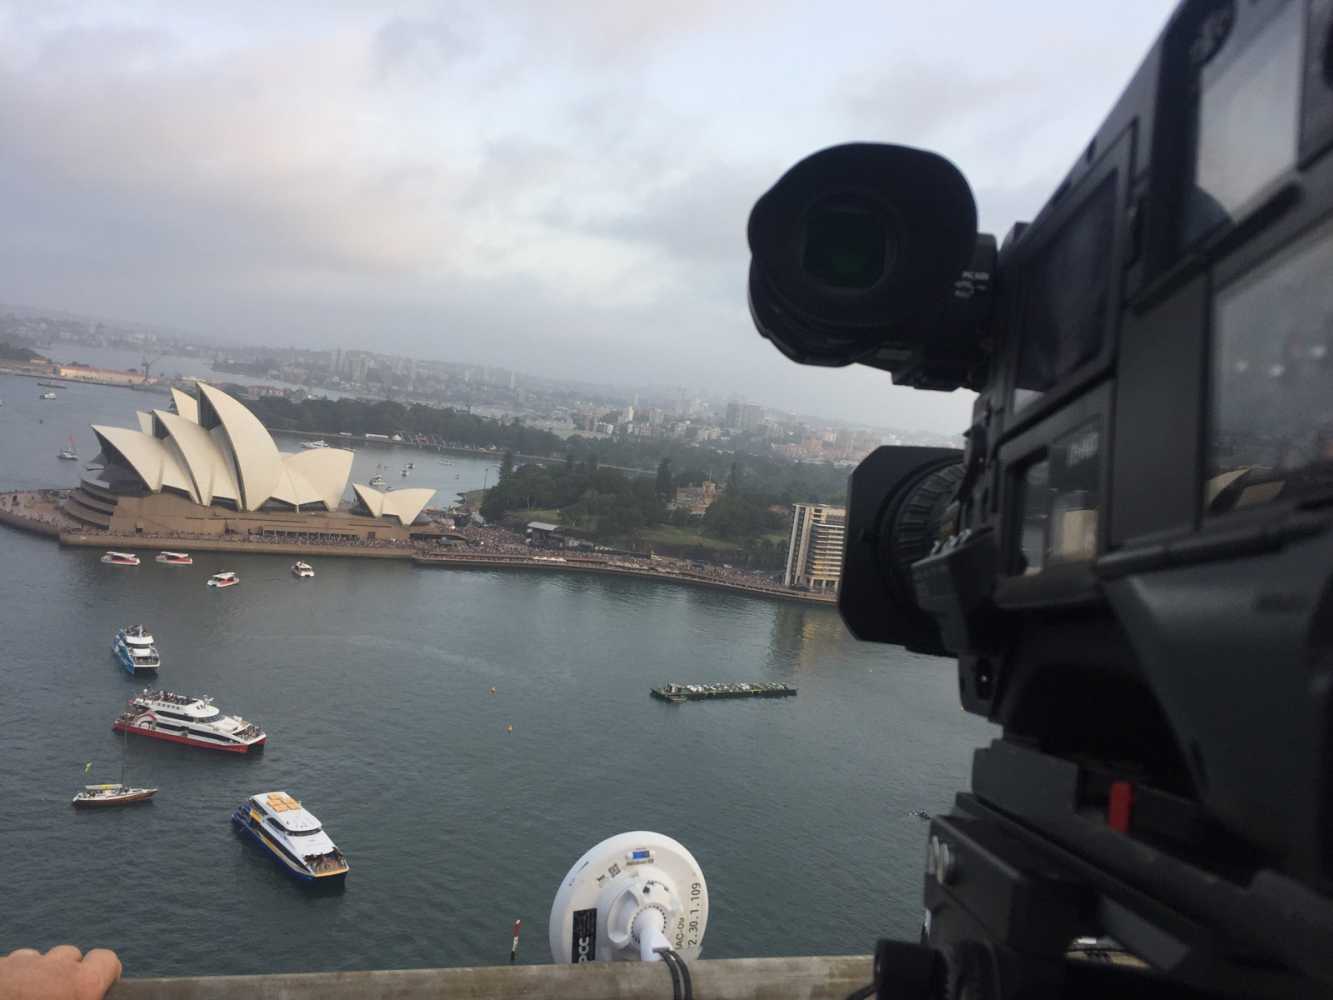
(16, 352)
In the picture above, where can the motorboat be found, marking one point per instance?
(302, 569)
(120, 559)
(69, 453)
(292, 835)
(47, 395)
(227, 579)
(195, 722)
(321, 443)
(135, 649)
(378, 481)
(114, 794)
(174, 558)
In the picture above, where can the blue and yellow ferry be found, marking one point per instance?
(293, 837)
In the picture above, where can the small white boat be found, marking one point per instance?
(120, 559)
(302, 569)
(227, 579)
(321, 443)
(377, 482)
(69, 453)
(111, 795)
(174, 558)
(47, 395)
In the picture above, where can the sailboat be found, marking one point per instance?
(69, 452)
(114, 794)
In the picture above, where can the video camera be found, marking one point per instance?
(1131, 557)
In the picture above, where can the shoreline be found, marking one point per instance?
(420, 556)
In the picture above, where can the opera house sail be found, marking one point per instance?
(208, 466)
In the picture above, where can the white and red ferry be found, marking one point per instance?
(175, 558)
(196, 722)
(121, 559)
(221, 580)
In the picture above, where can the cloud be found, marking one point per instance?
(417, 45)
(563, 187)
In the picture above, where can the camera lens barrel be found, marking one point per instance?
(897, 502)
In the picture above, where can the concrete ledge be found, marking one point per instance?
(810, 978)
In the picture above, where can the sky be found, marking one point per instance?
(555, 187)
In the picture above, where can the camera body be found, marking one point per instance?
(1132, 556)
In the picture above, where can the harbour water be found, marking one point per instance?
(373, 681)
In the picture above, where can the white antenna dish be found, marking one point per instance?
(629, 896)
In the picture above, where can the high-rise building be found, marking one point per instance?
(814, 551)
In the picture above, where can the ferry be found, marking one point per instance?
(227, 579)
(293, 837)
(321, 443)
(302, 569)
(47, 395)
(378, 482)
(111, 795)
(196, 722)
(174, 558)
(120, 559)
(134, 648)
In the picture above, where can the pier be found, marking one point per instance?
(678, 693)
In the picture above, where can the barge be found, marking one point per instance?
(678, 693)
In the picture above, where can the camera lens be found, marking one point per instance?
(847, 243)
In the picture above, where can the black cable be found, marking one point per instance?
(669, 960)
(685, 977)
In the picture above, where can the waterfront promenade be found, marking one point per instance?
(38, 511)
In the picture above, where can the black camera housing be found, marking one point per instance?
(1134, 565)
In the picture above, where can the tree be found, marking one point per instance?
(664, 488)
(734, 478)
(506, 465)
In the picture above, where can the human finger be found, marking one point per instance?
(98, 970)
(65, 952)
(24, 953)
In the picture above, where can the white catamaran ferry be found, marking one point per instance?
(224, 580)
(135, 649)
(292, 835)
(120, 559)
(302, 569)
(196, 722)
(174, 558)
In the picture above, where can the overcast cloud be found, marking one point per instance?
(556, 187)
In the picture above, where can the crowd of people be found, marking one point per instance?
(480, 542)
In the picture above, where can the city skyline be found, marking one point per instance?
(569, 185)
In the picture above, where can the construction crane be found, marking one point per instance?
(148, 363)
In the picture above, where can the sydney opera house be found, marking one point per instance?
(208, 467)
